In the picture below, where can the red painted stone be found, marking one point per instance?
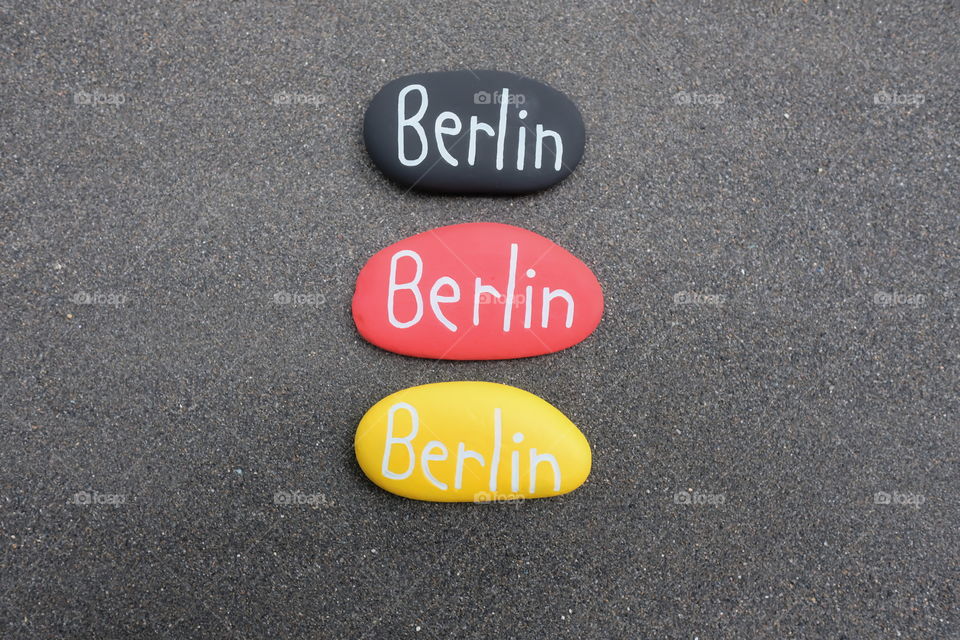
(476, 291)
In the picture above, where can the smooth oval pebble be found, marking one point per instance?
(471, 442)
(473, 132)
(476, 291)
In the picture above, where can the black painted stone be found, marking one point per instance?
(480, 94)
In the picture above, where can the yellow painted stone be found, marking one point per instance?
(471, 442)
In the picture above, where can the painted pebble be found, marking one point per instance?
(473, 132)
(476, 291)
(471, 442)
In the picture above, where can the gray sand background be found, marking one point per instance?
(795, 161)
